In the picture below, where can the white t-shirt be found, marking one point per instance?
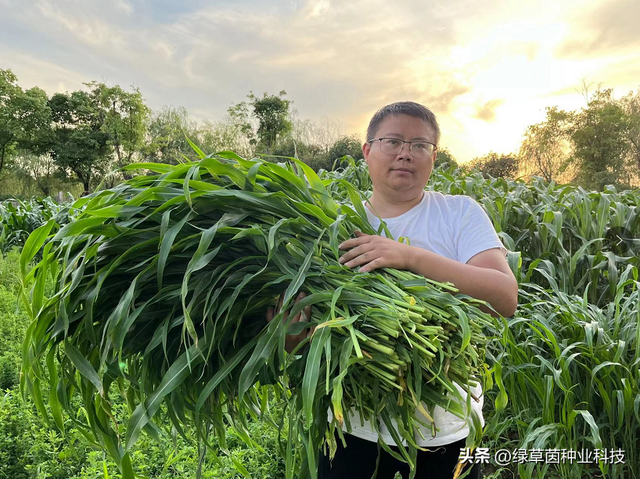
(455, 227)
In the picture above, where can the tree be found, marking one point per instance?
(271, 112)
(324, 134)
(346, 145)
(78, 145)
(170, 129)
(496, 165)
(23, 117)
(240, 117)
(631, 106)
(40, 169)
(222, 135)
(311, 154)
(318, 145)
(123, 117)
(444, 159)
(167, 134)
(546, 148)
(599, 134)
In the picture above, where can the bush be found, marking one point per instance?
(312, 155)
(19, 218)
(10, 270)
(13, 325)
(28, 450)
(496, 166)
(444, 160)
(347, 145)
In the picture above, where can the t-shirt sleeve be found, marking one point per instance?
(475, 232)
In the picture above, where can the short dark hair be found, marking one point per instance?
(403, 108)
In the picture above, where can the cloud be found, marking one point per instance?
(327, 63)
(88, 29)
(443, 101)
(29, 71)
(340, 60)
(529, 49)
(487, 112)
(123, 6)
(317, 8)
(610, 27)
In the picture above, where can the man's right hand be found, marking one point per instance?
(291, 341)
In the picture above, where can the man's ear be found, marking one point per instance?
(366, 148)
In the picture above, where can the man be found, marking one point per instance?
(451, 239)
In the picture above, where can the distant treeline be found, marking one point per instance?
(78, 141)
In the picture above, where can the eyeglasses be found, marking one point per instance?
(393, 146)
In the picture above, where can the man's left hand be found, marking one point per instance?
(372, 252)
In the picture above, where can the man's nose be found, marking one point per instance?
(409, 152)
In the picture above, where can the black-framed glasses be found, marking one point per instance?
(393, 146)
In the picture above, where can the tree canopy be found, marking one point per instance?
(87, 136)
(271, 112)
(600, 139)
(79, 145)
(23, 116)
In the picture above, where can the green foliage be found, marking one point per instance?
(221, 136)
(568, 358)
(13, 325)
(575, 254)
(271, 112)
(170, 129)
(123, 116)
(354, 173)
(78, 144)
(445, 160)
(594, 146)
(571, 372)
(495, 166)
(580, 240)
(30, 450)
(167, 135)
(345, 146)
(40, 170)
(574, 251)
(599, 134)
(70, 133)
(216, 347)
(23, 115)
(317, 157)
(312, 155)
(631, 106)
(546, 149)
(13, 322)
(18, 218)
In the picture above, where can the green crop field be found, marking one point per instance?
(163, 368)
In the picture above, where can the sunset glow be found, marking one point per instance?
(487, 69)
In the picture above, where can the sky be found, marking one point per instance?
(487, 69)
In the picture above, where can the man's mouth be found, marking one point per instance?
(402, 169)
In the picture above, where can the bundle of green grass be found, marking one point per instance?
(161, 290)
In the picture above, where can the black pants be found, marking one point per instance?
(358, 461)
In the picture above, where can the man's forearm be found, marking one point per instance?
(490, 285)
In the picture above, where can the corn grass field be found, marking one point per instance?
(562, 374)
(19, 218)
(570, 356)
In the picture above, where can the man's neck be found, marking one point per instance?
(384, 208)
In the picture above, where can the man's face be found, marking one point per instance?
(401, 176)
